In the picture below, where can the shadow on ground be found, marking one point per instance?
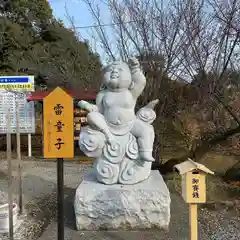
(69, 208)
(3, 175)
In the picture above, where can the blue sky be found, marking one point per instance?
(76, 8)
(79, 11)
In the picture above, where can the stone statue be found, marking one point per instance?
(122, 143)
(120, 140)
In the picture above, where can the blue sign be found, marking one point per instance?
(14, 79)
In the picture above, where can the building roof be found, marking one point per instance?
(190, 165)
(77, 94)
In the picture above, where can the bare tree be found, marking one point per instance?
(212, 45)
(181, 40)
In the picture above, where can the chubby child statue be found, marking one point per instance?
(114, 113)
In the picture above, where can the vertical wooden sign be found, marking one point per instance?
(58, 125)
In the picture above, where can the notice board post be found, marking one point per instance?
(58, 140)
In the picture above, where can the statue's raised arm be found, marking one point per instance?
(138, 79)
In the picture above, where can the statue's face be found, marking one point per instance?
(117, 76)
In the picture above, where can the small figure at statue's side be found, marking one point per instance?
(121, 140)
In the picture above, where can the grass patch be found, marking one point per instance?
(173, 181)
(218, 163)
(218, 190)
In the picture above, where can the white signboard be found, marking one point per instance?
(15, 89)
(26, 112)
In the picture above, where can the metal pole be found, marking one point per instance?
(29, 145)
(20, 199)
(10, 184)
(60, 197)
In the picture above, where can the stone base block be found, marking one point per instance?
(108, 207)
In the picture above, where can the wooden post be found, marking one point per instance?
(193, 221)
(29, 145)
(10, 184)
(20, 197)
(60, 197)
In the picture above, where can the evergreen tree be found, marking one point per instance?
(33, 42)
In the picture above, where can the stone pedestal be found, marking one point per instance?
(109, 207)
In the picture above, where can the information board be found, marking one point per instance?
(26, 112)
(15, 89)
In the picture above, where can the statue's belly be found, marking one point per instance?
(119, 116)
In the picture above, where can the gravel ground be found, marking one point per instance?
(220, 225)
(39, 221)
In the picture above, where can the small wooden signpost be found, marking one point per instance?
(59, 140)
(193, 190)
